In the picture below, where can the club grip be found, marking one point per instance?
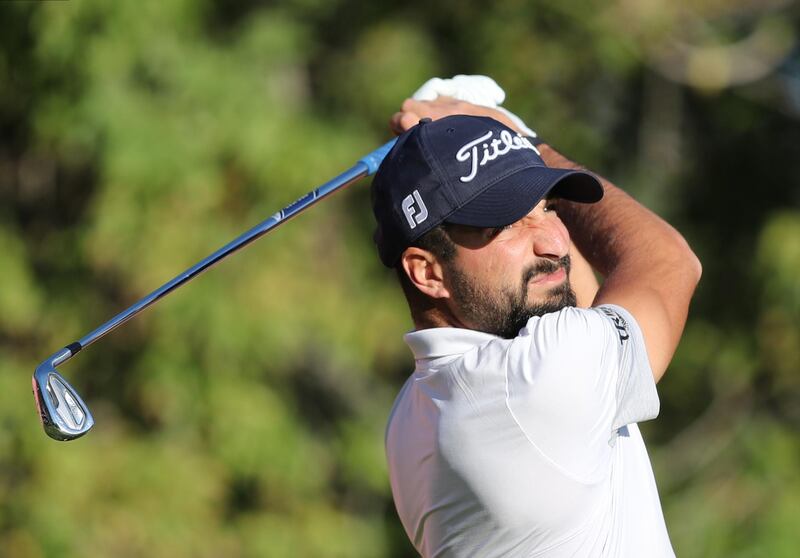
(374, 159)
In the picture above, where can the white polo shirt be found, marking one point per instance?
(529, 446)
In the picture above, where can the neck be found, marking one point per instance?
(435, 316)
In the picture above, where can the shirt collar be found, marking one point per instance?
(443, 341)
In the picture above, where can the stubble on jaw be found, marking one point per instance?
(505, 311)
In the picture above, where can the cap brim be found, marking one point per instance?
(516, 195)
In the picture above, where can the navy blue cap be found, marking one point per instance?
(465, 170)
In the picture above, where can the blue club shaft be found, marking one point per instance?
(365, 167)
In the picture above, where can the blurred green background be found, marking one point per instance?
(244, 415)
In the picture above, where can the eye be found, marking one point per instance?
(551, 205)
(497, 230)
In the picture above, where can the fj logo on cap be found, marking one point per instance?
(491, 150)
(414, 209)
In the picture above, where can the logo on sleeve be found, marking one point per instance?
(619, 323)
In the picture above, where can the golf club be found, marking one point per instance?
(62, 412)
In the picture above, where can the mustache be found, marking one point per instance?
(545, 267)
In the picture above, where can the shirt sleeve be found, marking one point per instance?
(573, 378)
(636, 396)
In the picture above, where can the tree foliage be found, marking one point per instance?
(244, 415)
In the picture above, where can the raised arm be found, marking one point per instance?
(649, 268)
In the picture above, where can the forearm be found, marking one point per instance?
(618, 232)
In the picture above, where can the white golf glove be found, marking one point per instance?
(478, 90)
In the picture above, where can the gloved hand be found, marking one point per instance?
(478, 90)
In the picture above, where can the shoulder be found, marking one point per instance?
(572, 341)
(570, 325)
(566, 328)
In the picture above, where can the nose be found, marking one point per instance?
(551, 239)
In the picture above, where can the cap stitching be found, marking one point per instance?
(433, 163)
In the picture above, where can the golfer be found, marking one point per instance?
(516, 434)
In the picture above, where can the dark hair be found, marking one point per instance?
(436, 241)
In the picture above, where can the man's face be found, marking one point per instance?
(500, 278)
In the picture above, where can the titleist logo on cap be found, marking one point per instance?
(491, 150)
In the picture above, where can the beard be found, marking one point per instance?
(505, 312)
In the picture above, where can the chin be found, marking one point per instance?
(558, 298)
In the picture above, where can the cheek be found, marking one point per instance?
(491, 268)
(504, 266)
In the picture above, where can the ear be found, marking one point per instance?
(425, 272)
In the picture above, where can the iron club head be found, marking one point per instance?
(63, 413)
